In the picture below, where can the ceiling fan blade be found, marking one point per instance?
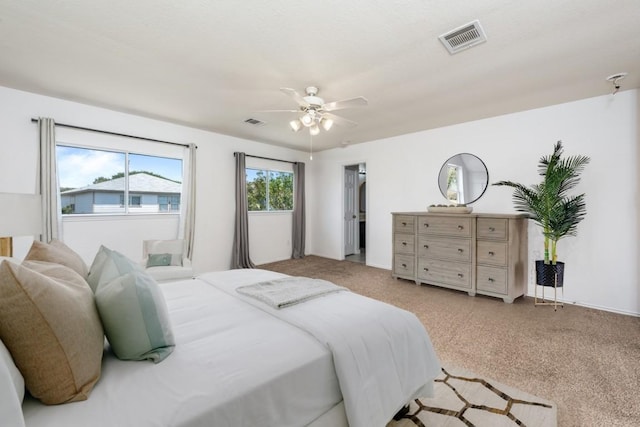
(346, 103)
(295, 95)
(340, 121)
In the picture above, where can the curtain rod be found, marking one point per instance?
(64, 125)
(267, 158)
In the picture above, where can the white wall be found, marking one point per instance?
(215, 181)
(602, 262)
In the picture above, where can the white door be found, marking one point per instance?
(350, 211)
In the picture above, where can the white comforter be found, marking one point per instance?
(382, 355)
(233, 366)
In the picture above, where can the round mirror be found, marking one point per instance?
(463, 179)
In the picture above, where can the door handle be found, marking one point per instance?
(354, 217)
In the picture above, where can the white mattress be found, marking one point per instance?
(233, 366)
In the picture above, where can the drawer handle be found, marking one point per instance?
(404, 265)
(404, 223)
(425, 269)
(404, 243)
(491, 279)
(491, 253)
(492, 229)
(460, 275)
(460, 250)
(460, 227)
(426, 246)
(426, 224)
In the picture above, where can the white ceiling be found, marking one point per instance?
(212, 64)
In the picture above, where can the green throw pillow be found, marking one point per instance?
(108, 265)
(159, 260)
(135, 317)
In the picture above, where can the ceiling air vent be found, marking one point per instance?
(463, 37)
(255, 122)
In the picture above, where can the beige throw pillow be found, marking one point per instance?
(59, 253)
(50, 324)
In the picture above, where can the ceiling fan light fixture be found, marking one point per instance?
(296, 125)
(326, 123)
(307, 119)
(314, 130)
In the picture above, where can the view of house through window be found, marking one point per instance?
(97, 182)
(269, 190)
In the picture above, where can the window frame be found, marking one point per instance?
(268, 171)
(126, 195)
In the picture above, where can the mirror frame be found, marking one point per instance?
(443, 191)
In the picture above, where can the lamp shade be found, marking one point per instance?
(314, 129)
(326, 123)
(20, 214)
(296, 125)
(307, 119)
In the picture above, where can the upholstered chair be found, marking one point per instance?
(166, 260)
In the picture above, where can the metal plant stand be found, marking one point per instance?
(555, 302)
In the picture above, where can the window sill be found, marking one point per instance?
(259, 213)
(116, 216)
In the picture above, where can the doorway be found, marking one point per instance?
(355, 212)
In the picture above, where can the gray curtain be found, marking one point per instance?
(298, 235)
(240, 256)
(188, 201)
(48, 182)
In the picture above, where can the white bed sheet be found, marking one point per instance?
(233, 366)
(382, 354)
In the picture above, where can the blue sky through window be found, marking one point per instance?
(79, 167)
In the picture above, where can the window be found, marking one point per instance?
(169, 203)
(94, 181)
(269, 190)
(133, 200)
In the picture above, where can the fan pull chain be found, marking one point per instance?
(310, 147)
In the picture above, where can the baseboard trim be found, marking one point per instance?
(382, 267)
(595, 306)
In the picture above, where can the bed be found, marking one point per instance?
(337, 360)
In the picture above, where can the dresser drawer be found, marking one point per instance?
(494, 253)
(492, 228)
(447, 272)
(492, 279)
(404, 223)
(450, 226)
(403, 265)
(404, 243)
(444, 248)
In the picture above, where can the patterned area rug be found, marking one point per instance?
(463, 399)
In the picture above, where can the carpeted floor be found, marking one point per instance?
(586, 361)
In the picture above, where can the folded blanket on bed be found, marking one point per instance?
(281, 293)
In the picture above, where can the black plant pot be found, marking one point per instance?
(547, 274)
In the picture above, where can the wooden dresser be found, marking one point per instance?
(475, 253)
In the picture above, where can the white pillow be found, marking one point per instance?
(11, 390)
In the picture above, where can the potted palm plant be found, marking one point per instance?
(550, 206)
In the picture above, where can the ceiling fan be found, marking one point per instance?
(314, 112)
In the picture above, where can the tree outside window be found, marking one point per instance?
(269, 190)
